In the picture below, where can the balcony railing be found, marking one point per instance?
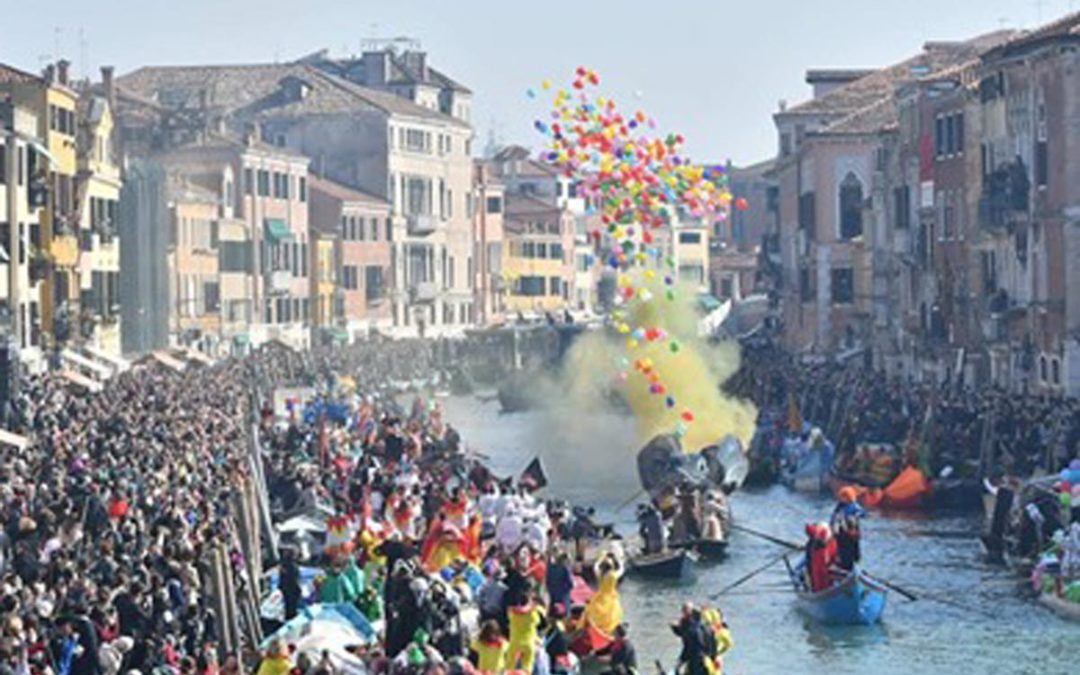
(423, 291)
(419, 224)
(280, 281)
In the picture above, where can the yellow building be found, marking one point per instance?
(98, 194)
(538, 262)
(327, 310)
(692, 255)
(53, 101)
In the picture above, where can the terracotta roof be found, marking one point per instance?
(878, 116)
(866, 91)
(256, 89)
(1066, 26)
(12, 75)
(345, 193)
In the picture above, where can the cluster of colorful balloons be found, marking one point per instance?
(639, 184)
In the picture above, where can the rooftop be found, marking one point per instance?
(865, 92)
(526, 205)
(12, 75)
(345, 193)
(257, 89)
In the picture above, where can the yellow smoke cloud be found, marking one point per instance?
(691, 375)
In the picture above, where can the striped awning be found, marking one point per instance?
(277, 229)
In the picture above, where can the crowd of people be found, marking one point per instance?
(953, 425)
(112, 508)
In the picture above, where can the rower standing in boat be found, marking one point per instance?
(652, 529)
(687, 525)
(845, 528)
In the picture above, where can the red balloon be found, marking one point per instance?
(741, 204)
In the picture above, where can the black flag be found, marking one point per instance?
(533, 477)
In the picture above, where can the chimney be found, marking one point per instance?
(417, 62)
(107, 85)
(62, 71)
(376, 68)
(251, 134)
(49, 74)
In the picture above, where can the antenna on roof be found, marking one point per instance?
(83, 59)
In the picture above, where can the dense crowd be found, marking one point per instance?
(112, 509)
(955, 426)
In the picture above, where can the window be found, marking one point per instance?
(418, 197)
(360, 234)
(350, 277)
(1042, 164)
(249, 182)
(389, 228)
(785, 145)
(541, 250)
(264, 183)
(235, 256)
(303, 260)
(494, 205)
(689, 237)
(851, 207)
(530, 286)
(211, 297)
(1055, 372)
(555, 286)
(902, 207)
(373, 283)
(949, 135)
(1042, 369)
(345, 228)
(303, 189)
(808, 213)
(281, 185)
(726, 287)
(555, 251)
(843, 286)
(3, 163)
(417, 141)
(939, 137)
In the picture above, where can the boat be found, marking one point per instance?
(1064, 608)
(710, 550)
(856, 600)
(671, 564)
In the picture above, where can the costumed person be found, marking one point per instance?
(604, 610)
(694, 656)
(490, 648)
(525, 623)
(276, 660)
(559, 581)
(820, 555)
(557, 641)
(715, 512)
(845, 528)
(338, 584)
(721, 634)
(686, 527)
(289, 583)
(621, 656)
(651, 528)
(457, 509)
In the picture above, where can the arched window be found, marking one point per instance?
(851, 207)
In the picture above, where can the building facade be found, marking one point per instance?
(538, 266)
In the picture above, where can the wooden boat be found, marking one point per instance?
(854, 601)
(711, 550)
(672, 564)
(1066, 609)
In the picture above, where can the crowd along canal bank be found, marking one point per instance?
(971, 615)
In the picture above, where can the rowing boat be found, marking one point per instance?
(853, 601)
(711, 550)
(674, 564)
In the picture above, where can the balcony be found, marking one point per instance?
(423, 292)
(1005, 195)
(419, 225)
(280, 281)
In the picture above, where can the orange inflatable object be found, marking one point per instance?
(906, 491)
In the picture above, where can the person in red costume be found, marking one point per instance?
(820, 555)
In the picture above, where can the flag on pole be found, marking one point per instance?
(533, 477)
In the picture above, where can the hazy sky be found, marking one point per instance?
(713, 70)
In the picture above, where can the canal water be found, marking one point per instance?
(971, 617)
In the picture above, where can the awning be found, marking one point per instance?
(708, 303)
(78, 361)
(277, 229)
(81, 381)
(118, 364)
(168, 361)
(13, 439)
(42, 150)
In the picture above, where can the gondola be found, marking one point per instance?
(856, 600)
(709, 550)
(672, 564)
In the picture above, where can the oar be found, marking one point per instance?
(747, 577)
(632, 498)
(767, 537)
(893, 587)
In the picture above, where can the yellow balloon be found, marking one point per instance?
(631, 343)
(545, 85)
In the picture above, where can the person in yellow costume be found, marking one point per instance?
(524, 635)
(604, 610)
(276, 661)
(714, 619)
(490, 648)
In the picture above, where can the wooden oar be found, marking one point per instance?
(893, 587)
(767, 537)
(747, 577)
